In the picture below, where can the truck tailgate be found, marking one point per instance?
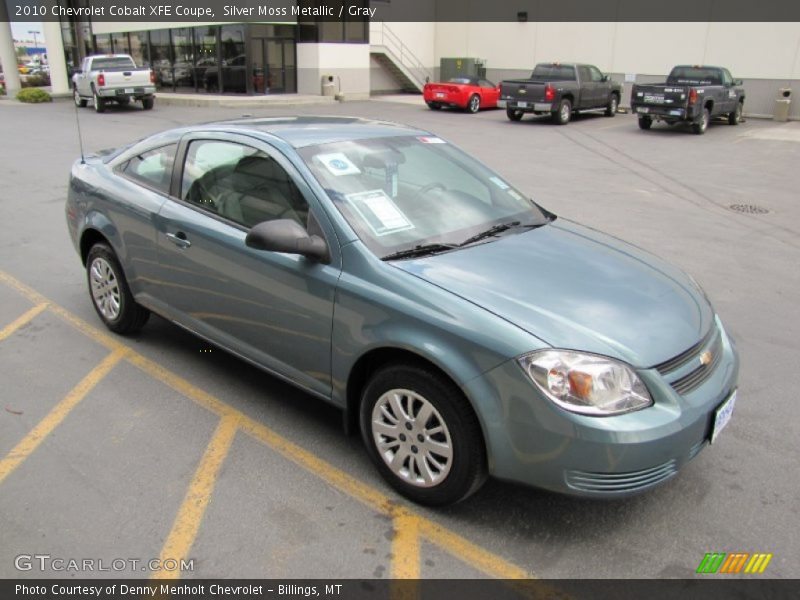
(133, 78)
(660, 95)
(522, 90)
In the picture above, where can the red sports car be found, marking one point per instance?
(469, 93)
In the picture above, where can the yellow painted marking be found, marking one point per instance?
(405, 547)
(758, 563)
(21, 321)
(481, 559)
(54, 418)
(190, 515)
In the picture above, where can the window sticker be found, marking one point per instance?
(431, 140)
(338, 164)
(379, 212)
(499, 183)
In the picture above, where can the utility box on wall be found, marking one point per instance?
(461, 67)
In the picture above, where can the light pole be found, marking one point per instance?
(34, 34)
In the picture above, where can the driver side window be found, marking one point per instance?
(240, 183)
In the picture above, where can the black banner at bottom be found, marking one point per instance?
(356, 589)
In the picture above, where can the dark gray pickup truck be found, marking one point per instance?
(691, 94)
(560, 89)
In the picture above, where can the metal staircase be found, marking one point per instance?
(389, 50)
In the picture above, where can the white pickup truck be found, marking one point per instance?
(113, 78)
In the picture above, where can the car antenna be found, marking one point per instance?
(80, 137)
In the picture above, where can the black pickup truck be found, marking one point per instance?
(560, 89)
(691, 94)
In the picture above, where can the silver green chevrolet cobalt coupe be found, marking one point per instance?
(465, 330)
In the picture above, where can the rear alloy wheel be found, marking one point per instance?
(434, 106)
(699, 127)
(79, 102)
(99, 103)
(514, 115)
(735, 117)
(147, 103)
(111, 296)
(564, 112)
(474, 104)
(422, 435)
(645, 123)
(613, 103)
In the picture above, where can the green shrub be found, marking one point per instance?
(33, 95)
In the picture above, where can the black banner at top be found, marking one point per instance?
(292, 11)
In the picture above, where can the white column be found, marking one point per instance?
(55, 57)
(8, 55)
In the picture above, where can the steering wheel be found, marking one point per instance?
(429, 188)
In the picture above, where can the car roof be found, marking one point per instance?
(312, 130)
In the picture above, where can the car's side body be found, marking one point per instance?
(460, 92)
(327, 325)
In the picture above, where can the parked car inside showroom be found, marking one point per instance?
(464, 329)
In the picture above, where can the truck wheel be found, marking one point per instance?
(699, 127)
(434, 106)
(564, 112)
(613, 103)
(735, 117)
(79, 102)
(513, 115)
(99, 103)
(422, 435)
(148, 103)
(645, 122)
(474, 104)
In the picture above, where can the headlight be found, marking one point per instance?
(587, 384)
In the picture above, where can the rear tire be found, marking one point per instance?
(422, 435)
(99, 103)
(148, 103)
(564, 112)
(699, 127)
(645, 123)
(474, 104)
(613, 104)
(110, 294)
(79, 102)
(735, 117)
(514, 115)
(434, 106)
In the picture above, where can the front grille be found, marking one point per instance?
(620, 482)
(712, 342)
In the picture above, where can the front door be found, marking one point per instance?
(273, 62)
(275, 309)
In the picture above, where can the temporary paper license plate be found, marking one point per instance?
(723, 415)
(128, 90)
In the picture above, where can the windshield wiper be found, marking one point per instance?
(497, 229)
(421, 250)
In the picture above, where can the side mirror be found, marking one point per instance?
(737, 82)
(605, 78)
(287, 236)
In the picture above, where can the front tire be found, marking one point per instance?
(474, 104)
(613, 104)
(422, 435)
(645, 123)
(735, 117)
(79, 102)
(111, 296)
(564, 112)
(514, 115)
(699, 127)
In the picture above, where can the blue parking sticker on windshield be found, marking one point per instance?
(379, 212)
(338, 164)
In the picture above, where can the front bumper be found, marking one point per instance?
(532, 441)
(123, 92)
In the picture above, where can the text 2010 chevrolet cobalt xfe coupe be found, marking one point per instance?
(466, 330)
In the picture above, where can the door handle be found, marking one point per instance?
(179, 239)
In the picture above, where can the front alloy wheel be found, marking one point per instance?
(422, 434)
(111, 296)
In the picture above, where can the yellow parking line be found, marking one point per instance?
(405, 547)
(23, 320)
(481, 559)
(190, 515)
(54, 418)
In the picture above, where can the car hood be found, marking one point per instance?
(574, 287)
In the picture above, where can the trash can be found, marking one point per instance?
(328, 87)
(782, 104)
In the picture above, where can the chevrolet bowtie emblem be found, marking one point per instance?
(706, 357)
(523, 91)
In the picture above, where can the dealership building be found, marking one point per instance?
(360, 58)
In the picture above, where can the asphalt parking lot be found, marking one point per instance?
(161, 446)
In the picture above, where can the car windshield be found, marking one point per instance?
(399, 193)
